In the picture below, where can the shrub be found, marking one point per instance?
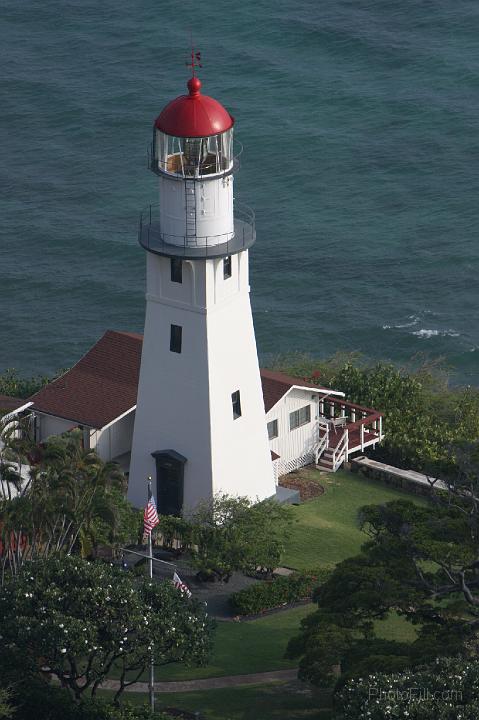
(269, 594)
(44, 702)
(445, 690)
(424, 415)
(223, 529)
(171, 530)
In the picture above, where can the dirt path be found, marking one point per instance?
(208, 683)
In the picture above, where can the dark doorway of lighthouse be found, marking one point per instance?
(170, 471)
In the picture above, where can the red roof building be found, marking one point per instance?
(99, 395)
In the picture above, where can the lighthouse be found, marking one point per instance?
(200, 425)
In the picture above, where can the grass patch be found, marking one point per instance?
(326, 530)
(241, 648)
(396, 627)
(253, 702)
(247, 647)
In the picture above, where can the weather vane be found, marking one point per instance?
(195, 60)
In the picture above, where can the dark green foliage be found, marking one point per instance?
(423, 414)
(74, 502)
(173, 532)
(447, 689)
(269, 594)
(6, 707)
(12, 384)
(419, 562)
(44, 702)
(80, 619)
(232, 533)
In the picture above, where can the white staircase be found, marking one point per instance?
(331, 458)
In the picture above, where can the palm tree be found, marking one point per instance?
(70, 498)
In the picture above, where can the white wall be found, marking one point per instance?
(294, 444)
(184, 400)
(48, 425)
(114, 440)
(214, 209)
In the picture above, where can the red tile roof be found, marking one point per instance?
(276, 384)
(100, 387)
(11, 403)
(103, 384)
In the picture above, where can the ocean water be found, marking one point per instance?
(359, 120)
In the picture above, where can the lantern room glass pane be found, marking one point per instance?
(193, 157)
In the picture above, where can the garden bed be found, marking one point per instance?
(308, 487)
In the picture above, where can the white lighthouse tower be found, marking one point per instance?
(200, 421)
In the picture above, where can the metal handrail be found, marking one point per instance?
(150, 225)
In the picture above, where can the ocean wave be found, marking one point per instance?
(411, 321)
(424, 333)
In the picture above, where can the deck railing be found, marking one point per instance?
(357, 416)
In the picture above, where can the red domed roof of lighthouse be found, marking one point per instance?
(194, 115)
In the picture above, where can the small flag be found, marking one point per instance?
(150, 516)
(180, 585)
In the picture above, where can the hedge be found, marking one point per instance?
(44, 702)
(269, 594)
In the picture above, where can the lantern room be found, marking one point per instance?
(193, 136)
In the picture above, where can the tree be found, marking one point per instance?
(447, 689)
(12, 384)
(232, 533)
(423, 415)
(421, 562)
(72, 501)
(80, 619)
(6, 708)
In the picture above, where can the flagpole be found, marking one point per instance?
(151, 684)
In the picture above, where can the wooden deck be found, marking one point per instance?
(354, 434)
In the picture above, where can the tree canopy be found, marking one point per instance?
(424, 415)
(447, 689)
(233, 533)
(77, 620)
(70, 501)
(420, 561)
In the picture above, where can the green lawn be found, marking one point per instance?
(255, 702)
(242, 648)
(326, 529)
(325, 532)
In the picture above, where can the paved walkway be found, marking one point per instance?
(208, 683)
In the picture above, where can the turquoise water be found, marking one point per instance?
(359, 121)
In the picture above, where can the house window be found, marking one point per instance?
(176, 270)
(272, 429)
(236, 402)
(300, 417)
(175, 338)
(227, 267)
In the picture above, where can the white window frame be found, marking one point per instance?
(274, 423)
(295, 417)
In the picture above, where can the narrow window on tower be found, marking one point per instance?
(227, 267)
(176, 270)
(236, 402)
(175, 338)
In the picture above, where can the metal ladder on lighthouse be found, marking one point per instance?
(190, 205)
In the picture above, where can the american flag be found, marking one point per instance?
(180, 585)
(150, 516)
